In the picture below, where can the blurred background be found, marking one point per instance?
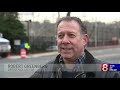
(38, 30)
(103, 27)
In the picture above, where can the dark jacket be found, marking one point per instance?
(51, 71)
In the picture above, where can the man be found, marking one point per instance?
(27, 47)
(74, 61)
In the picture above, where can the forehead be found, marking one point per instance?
(71, 25)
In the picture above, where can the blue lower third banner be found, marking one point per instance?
(114, 67)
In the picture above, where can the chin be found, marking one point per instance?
(66, 56)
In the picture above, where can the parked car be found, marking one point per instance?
(5, 47)
(52, 48)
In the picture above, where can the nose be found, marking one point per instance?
(65, 40)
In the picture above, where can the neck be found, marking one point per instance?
(70, 63)
(72, 60)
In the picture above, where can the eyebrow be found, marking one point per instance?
(67, 32)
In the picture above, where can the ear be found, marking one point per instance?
(85, 39)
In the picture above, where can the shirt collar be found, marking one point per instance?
(80, 60)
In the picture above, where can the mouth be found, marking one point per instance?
(66, 49)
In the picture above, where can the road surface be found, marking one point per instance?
(111, 55)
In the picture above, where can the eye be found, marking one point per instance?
(60, 36)
(71, 35)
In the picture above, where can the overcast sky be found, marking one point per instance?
(107, 17)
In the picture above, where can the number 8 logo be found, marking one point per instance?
(104, 67)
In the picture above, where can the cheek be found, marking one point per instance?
(78, 44)
(58, 42)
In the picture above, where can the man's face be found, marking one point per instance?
(69, 40)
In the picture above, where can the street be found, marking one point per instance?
(111, 55)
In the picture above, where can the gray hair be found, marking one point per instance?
(78, 20)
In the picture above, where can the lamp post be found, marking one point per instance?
(28, 30)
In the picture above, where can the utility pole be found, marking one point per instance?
(28, 30)
(95, 34)
(33, 16)
(58, 15)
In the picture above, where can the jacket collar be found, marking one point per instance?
(89, 59)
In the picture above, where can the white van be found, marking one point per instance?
(5, 47)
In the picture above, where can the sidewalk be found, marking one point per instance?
(55, 52)
(34, 55)
(103, 47)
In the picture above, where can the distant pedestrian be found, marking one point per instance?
(27, 47)
(22, 46)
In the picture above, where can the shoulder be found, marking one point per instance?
(97, 61)
(44, 71)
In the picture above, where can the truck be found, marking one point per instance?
(5, 47)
